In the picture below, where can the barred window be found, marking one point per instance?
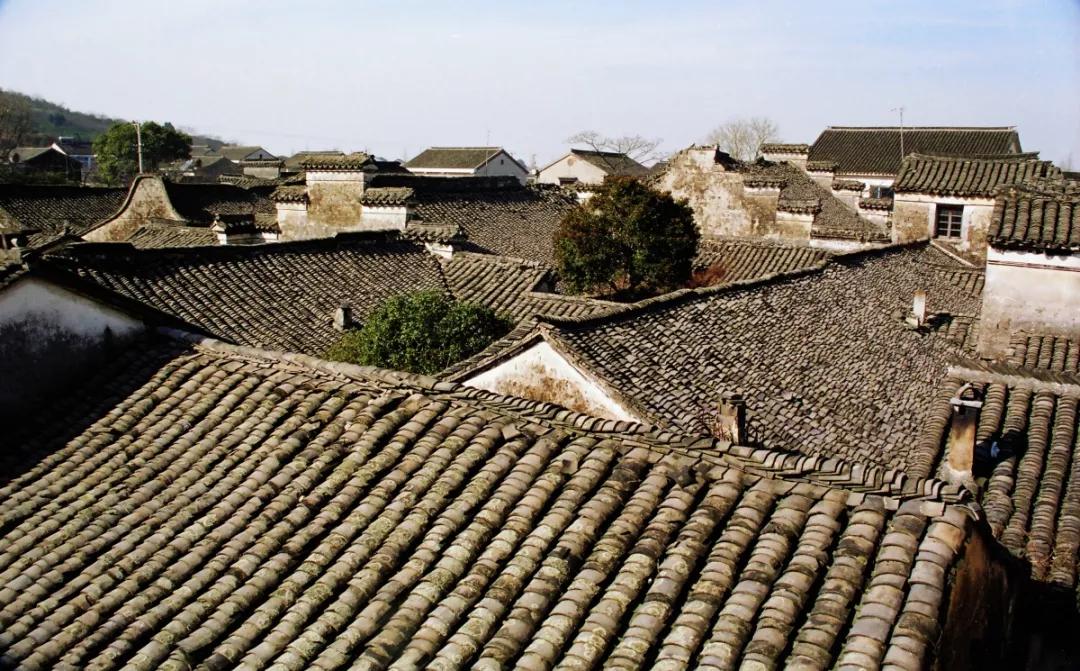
(949, 218)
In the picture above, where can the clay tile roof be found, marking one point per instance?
(612, 162)
(739, 259)
(1045, 351)
(813, 385)
(202, 203)
(821, 166)
(800, 194)
(433, 232)
(387, 196)
(158, 235)
(514, 287)
(1037, 219)
(970, 177)
(452, 158)
(355, 161)
(238, 152)
(295, 162)
(782, 148)
(876, 150)
(848, 185)
(885, 203)
(1027, 459)
(290, 194)
(48, 210)
(506, 220)
(210, 506)
(280, 296)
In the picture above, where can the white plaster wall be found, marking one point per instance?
(49, 337)
(918, 210)
(542, 374)
(323, 176)
(379, 218)
(571, 167)
(503, 165)
(1028, 291)
(53, 306)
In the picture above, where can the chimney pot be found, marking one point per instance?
(343, 318)
(965, 421)
(732, 425)
(918, 307)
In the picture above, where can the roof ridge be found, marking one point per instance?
(920, 128)
(1023, 156)
(841, 475)
(679, 295)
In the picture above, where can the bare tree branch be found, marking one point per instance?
(743, 137)
(637, 147)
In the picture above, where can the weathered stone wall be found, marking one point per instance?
(721, 204)
(49, 337)
(541, 374)
(914, 216)
(788, 226)
(334, 199)
(1028, 291)
(911, 220)
(292, 219)
(146, 201)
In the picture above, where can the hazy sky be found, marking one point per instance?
(395, 76)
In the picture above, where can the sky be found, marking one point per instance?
(394, 77)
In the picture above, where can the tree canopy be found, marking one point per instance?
(627, 238)
(420, 332)
(117, 152)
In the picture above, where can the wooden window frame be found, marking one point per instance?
(949, 222)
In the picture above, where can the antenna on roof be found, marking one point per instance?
(901, 110)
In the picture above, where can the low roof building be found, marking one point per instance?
(878, 150)
(828, 358)
(467, 161)
(204, 505)
(590, 167)
(50, 213)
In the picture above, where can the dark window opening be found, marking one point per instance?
(568, 180)
(881, 192)
(949, 218)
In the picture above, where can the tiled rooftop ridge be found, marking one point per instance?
(234, 507)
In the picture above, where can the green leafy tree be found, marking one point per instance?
(420, 332)
(627, 239)
(117, 149)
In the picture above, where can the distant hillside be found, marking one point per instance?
(51, 120)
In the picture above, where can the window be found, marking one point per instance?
(881, 191)
(568, 180)
(948, 221)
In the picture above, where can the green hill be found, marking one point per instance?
(50, 120)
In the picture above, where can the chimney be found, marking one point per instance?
(732, 425)
(965, 421)
(918, 310)
(343, 318)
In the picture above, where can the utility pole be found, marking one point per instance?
(138, 143)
